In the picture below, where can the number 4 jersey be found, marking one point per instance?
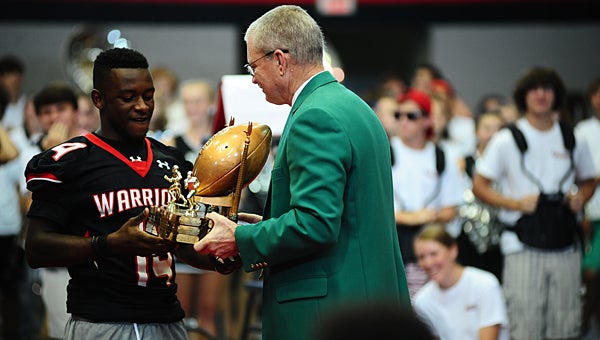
(87, 187)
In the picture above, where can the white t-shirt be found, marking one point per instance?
(14, 114)
(588, 131)
(457, 313)
(546, 159)
(11, 181)
(415, 179)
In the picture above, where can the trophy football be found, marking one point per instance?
(227, 163)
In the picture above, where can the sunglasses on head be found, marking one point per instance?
(414, 115)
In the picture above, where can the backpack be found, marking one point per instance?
(552, 225)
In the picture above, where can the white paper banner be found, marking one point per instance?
(246, 102)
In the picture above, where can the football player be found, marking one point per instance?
(90, 199)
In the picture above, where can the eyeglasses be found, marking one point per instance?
(250, 69)
(412, 116)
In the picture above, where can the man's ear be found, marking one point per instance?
(97, 99)
(282, 62)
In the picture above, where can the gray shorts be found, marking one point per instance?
(80, 330)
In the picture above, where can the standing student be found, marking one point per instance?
(426, 181)
(588, 131)
(538, 190)
(480, 246)
(327, 236)
(199, 291)
(11, 180)
(56, 107)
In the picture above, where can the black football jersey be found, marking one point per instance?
(86, 187)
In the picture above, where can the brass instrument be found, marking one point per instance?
(480, 223)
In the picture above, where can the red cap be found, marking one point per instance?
(442, 85)
(419, 97)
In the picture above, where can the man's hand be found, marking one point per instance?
(220, 241)
(130, 239)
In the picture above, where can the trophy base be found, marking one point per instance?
(178, 225)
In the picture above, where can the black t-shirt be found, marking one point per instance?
(85, 187)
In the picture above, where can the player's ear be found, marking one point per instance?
(97, 99)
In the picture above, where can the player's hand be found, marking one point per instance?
(132, 240)
(220, 241)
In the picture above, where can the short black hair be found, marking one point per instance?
(539, 76)
(54, 93)
(11, 64)
(116, 58)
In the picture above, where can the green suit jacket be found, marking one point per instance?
(329, 237)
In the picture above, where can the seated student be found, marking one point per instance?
(458, 302)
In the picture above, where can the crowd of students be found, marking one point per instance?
(464, 283)
(527, 217)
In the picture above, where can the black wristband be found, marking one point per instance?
(95, 250)
(99, 246)
(103, 245)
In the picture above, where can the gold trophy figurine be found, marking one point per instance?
(191, 184)
(175, 189)
(181, 220)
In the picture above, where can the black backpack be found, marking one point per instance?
(552, 225)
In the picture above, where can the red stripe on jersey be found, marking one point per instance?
(46, 176)
(137, 166)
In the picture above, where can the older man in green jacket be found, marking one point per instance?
(328, 236)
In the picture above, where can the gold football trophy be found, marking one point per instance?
(227, 163)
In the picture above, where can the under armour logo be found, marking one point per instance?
(162, 164)
(136, 159)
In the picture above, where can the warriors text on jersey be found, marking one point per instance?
(86, 187)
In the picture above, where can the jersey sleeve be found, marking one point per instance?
(48, 177)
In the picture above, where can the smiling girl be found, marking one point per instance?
(458, 302)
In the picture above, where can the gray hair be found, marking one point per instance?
(288, 27)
